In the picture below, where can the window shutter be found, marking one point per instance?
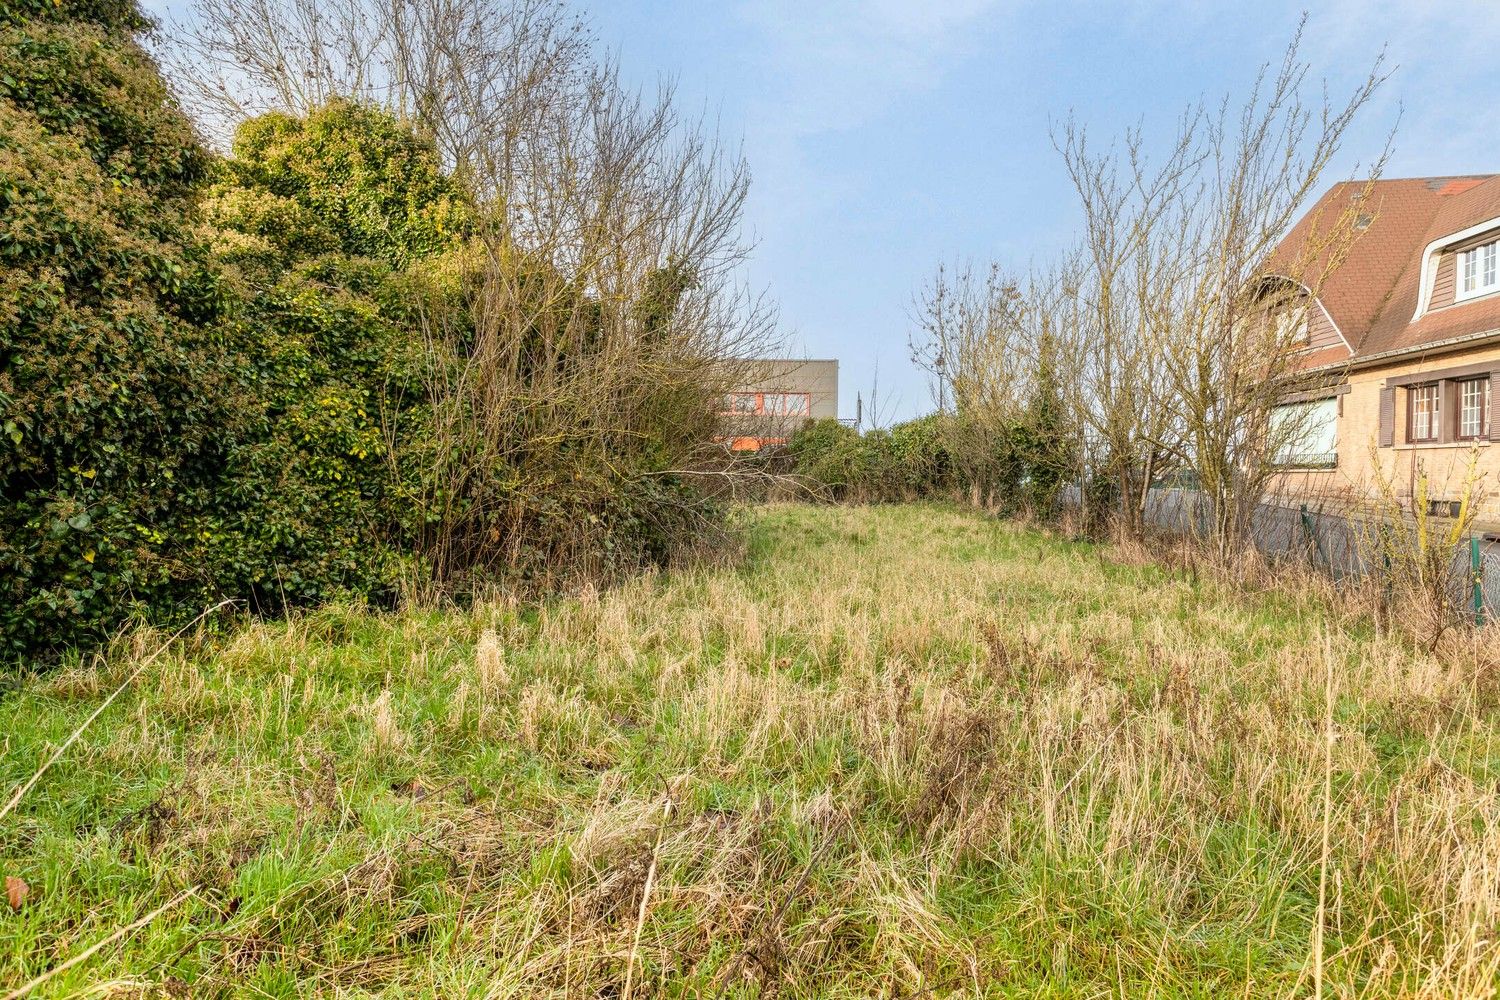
(1447, 410)
(1494, 414)
(1387, 417)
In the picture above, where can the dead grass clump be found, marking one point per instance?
(489, 665)
(385, 726)
(558, 725)
(958, 766)
(74, 683)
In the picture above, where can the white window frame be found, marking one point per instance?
(1434, 427)
(1294, 327)
(1473, 402)
(1485, 260)
(733, 407)
(1306, 434)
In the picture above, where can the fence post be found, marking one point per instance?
(1312, 536)
(1476, 567)
(1386, 583)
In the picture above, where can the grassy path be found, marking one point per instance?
(899, 752)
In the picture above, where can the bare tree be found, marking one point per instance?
(1003, 353)
(1189, 330)
(1122, 278)
(1178, 322)
(970, 337)
(1232, 336)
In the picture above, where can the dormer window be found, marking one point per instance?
(1292, 327)
(1477, 271)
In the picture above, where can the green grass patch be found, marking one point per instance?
(898, 751)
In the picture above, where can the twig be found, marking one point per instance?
(640, 919)
(84, 955)
(773, 925)
(1328, 737)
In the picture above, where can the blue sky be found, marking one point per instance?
(886, 136)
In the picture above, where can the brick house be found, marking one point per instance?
(1403, 344)
(775, 397)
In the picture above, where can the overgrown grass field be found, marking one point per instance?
(899, 752)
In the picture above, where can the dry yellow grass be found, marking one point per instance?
(901, 752)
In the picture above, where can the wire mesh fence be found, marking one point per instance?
(1486, 574)
(1334, 543)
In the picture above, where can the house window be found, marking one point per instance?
(1473, 409)
(1422, 413)
(1306, 435)
(1445, 508)
(768, 404)
(1477, 270)
(787, 404)
(740, 403)
(1292, 327)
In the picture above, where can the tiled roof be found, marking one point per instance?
(1373, 294)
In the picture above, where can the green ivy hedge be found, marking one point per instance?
(119, 390)
(213, 383)
(1016, 464)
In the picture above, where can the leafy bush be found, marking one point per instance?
(907, 461)
(119, 390)
(348, 177)
(1017, 464)
(198, 413)
(404, 424)
(923, 454)
(828, 454)
(316, 220)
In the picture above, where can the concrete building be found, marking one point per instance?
(775, 397)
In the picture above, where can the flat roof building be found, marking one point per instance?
(777, 396)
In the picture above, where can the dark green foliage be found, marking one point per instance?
(664, 291)
(119, 395)
(116, 15)
(1047, 447)
(194, 413)
(310, 503)
(830, 455)
(394, 431)
(1017, 464)
(316, 218)
(236, 378)
(908, 461)
(922, 453)
(1012, 458)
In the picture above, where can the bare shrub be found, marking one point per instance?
(1417, 559)
(1232, 331)
(998, 341)
(1173, 332)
